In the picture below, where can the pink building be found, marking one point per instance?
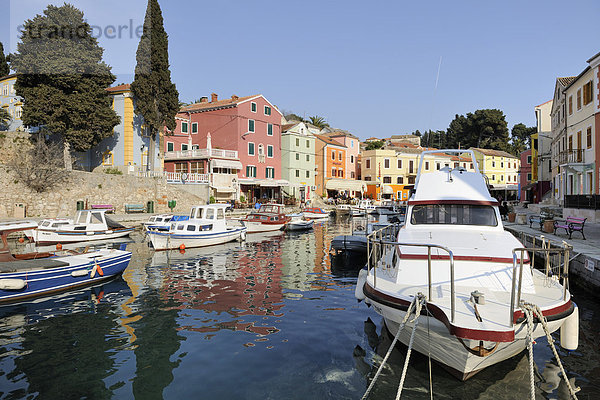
(525, 178)
(352, 150)
(250, 126)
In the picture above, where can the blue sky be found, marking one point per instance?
(368, 67)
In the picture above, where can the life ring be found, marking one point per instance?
(184, 176)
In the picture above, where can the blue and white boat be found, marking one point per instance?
(30, 275)
(162, 222)
(206, 226)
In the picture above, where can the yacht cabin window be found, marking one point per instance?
(454, 214)
(220, 213)
(191, 228)
(210, 213)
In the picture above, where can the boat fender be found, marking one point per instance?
(99, 269)
(93, 272)
(79, 273)
(360, 282)
(12, 284)
(569, 331)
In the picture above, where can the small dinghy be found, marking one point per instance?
(299, 225)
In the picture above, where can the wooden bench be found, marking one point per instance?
(538, 219)
(108, 207)
(570, 225)
(131, 208)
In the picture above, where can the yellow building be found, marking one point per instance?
(501, 169)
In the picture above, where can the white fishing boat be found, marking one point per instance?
(160, 222)
(268, 218)
(453, 250)
(206, 226)
(87, 225)
(363, 207)
(299, 224)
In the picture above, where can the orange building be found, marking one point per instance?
(330, 157)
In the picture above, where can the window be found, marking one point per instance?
(250, 125)
(570, 143)
(386, 163)
(267, 110)
(181, 167)
(501, 165)
(270, 129)
(352, 174)
(184, 127)
(352, 143)
(308, 174)
(529, 160)
(387, 179)
(351, 158)
(589, 137)
(340, 157)
(107, 158)
(250, 171)
(308, 157)
(570, 105)
(269, 172)
(195, 127)
(426, 165)
(184, 146)
(399, 164)
(297, 173)
(170, 146)
(297, 142)
(529, 176)
(307, 144)
(333, 154)
(341, 173)
(493, 164)
(437, 166)
(493, 177)
(253, 107)
(471, 165)
(587, 93)
(502, 177)
(197, 167)
(220, 213)
(400, 180)
(578, 99)
(250, 149)
(333, 171)
(270, 151)
(298, 156)
(453, 214)
(367, 163)
(195, 147)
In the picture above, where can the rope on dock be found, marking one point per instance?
(415, 305)
(530, 310)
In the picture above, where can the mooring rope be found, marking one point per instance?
(417, 302)
(420, 302)
(529, 310)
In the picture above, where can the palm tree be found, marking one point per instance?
(319, 122)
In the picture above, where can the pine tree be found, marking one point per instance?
(156, 97)
(4, 70)
(62, 79)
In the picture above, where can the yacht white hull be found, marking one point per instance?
(168, 240)
(42, 237)
(315, 216)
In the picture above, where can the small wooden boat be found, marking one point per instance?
(315, 213)
(87, 225)
(206, 226)
(30, 275)
(269, 217)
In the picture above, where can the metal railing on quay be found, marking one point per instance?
(560, 270)
(376, 242)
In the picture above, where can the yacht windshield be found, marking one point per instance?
(454, 214)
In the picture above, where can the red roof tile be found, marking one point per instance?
(119, 88)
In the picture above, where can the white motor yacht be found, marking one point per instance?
(454, 250)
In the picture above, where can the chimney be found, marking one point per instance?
(234, 97)
(213, 97)
(203, 99)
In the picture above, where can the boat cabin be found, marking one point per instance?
(88, 220)
(203, 218)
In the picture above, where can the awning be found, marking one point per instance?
(273, 182)
(219, 163)
(346, 184)
(223, 189)
(387, 189)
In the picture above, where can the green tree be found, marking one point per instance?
(4, 69)
(294, 117)
(157, 99)
(485, 128)
(318, 121)
(62, 79)
(4, 118)
(375, 145)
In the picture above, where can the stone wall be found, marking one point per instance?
(89, 187)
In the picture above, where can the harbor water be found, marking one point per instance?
(274, 317)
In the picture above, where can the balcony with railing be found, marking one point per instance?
(198, 154)
(571, 156)
(176, 177)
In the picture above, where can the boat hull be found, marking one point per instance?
(78, 273)
(299, 225)
(312, 215)
(256, 227)
(170, 240)
(42, 237)
(353, 243)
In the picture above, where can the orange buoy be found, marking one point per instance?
(100, 272)
(182, 246)
(58, 246)
(21, 240)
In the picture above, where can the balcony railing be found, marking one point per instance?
(200, 154)
(184, 177)
(571, 156)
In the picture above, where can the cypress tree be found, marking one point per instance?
(156, 97)
(62, 79)
(4, 70)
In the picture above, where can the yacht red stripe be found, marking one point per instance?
(460, 202)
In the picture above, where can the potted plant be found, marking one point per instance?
(512, 215)
(548, 226)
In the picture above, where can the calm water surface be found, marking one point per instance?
(272, 318)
